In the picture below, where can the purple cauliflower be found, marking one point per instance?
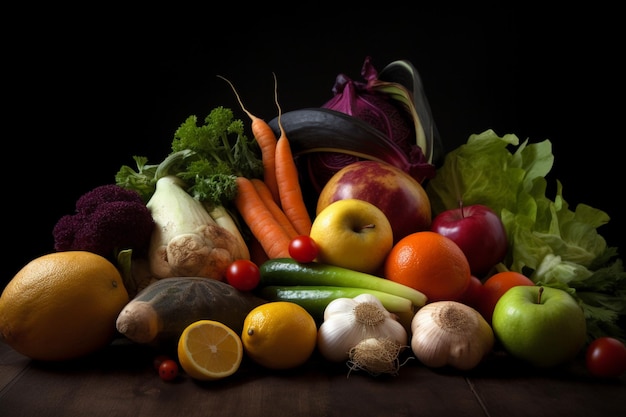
(108, 219)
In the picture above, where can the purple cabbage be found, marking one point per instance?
(361, 99)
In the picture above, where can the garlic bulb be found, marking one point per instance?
(450, 333)
(348, 321)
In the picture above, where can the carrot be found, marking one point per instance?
(265, 137)
(262, 224)
(287, 178)
(277, 212)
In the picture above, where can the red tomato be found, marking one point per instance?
(168, 370)
(495, 286)
(303, 249)
(606, 357)
(473, 293)
(243, 275)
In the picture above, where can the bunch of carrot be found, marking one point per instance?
(273, 208)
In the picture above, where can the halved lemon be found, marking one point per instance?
(209, 350)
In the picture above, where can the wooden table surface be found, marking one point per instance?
(121, 381)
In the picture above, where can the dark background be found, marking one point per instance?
(84, 94)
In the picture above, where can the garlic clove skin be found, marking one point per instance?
(348, 321)
(337, 335)
(450, 333)
(339, 306)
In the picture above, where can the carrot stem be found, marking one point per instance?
(265, 137)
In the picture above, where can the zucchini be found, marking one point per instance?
(159, 313)
(287, 271)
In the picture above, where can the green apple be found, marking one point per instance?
(353, 234)
(542, 325)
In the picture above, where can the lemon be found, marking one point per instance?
(62, 306)
(279, 335)
(209, 350)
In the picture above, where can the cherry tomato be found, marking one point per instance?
(243, 275)
(606, 357)
(303, 249)
(168, 370)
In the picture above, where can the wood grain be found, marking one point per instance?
(121, 381)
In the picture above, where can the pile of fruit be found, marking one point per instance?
(234, 247)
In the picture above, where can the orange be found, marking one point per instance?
(494, 287)
(209, 350)
(430, 263)
(279, 335)
(62, 305)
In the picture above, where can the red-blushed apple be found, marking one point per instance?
(541, 325)
(398, 195)
(478, 231)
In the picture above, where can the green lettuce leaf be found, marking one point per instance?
(548, 241)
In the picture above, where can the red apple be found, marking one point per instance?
(403, 200)
(478, 231)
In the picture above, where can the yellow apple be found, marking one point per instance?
(353, 234)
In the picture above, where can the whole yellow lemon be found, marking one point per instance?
(279, 335)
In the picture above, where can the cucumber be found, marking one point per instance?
(287, 271)
(160, 312)
(314, 299)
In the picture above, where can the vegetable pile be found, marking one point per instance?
(178, 227)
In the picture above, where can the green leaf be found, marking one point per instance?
(548, 241)
(208, 157)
